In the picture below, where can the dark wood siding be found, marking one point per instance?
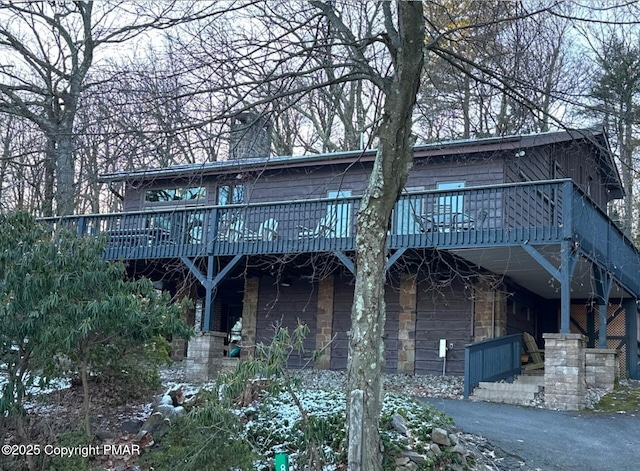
(342, 301)
(580, 163)
(575, 160)
(473, 171)
(315, 182)
(287, 305)
(308, 183)
(522, 311)
(535, 164)
(445, 314)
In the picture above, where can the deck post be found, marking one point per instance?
(603, 282)
(208, 297)
(568, 259)
(631, 317)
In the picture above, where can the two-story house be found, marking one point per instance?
(490, 237)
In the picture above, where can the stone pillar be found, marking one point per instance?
(324, 323)
(490, 311)
(204, 354)
(178, 349)
(602, 368)
(197, 324)
(564, 371)
(407, 324)
(249, 317)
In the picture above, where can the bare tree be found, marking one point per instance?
(404, 39)
(50, 48)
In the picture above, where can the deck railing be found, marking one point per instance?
(490, 215)
(543, 212)
(491, 360)
(599, 237)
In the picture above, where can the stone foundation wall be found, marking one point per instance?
(407, 325)
(602, 368)
(564, 371)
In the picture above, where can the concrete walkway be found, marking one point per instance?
(552, 440)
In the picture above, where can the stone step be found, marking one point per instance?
(515, 387)
(530, 379)
(507, 397)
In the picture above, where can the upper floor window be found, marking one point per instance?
(165, 195)
(452, 203)
(230, 194)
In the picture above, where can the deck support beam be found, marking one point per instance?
(568, 260)
(210, 281)
(603, 282)
(346, 261)
(394, 257)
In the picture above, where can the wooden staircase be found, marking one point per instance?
(524, 390)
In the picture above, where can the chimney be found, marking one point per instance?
(250, 136)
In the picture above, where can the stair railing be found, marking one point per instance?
(491, 360)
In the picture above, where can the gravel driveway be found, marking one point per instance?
(552, 440)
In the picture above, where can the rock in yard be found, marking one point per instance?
(459, 449)
(400, 424)
(177, 396)
(440, 436)
(170, 411)
(166, 400)
(156, 425)
(414, 457)
(131, 427)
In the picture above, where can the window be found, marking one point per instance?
(409, 212)
(165, 195)
(452, 203)
(340, 212)
(230, 194)
(448, 212)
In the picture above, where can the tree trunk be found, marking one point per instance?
(65, 194)
(85, 396)
(392, 164)
(25, 439)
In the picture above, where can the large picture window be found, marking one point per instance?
(167, 195)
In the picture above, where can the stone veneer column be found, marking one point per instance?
(407, 324)
(204, 353)
(178, 349)
(249, 317)
(490, 311)
(602, 367)
(564, 371)
(324, 323)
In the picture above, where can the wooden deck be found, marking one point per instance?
(522, 214)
